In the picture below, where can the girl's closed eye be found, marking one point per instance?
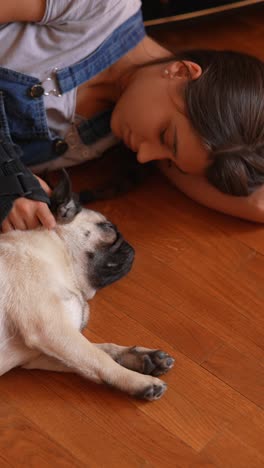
(172, 147)
(162, 136)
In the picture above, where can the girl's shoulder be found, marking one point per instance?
(94, 11)
(68, 31)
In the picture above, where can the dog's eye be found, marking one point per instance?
(111, 265)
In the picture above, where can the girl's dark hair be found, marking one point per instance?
(226, 107)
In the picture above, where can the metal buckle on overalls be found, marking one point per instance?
(53, 91)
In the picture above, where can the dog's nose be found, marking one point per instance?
(106, 226)
(111, 235)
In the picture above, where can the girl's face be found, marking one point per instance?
(149, 117)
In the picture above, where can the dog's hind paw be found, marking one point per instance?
(153, 392)
(146, 361)
(157, 363)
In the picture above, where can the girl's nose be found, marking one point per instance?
(150, 152)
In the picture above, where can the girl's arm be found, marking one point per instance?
(22, 10)
(199, 189)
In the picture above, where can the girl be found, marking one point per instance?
(72, 71)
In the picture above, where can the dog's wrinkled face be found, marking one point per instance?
(106, 256)
(104, 253)
(111, 259)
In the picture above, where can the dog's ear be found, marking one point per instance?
(64, 204)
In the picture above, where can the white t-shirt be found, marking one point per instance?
(69, 31)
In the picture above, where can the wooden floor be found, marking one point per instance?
(196, 291)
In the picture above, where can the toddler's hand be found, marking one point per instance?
(28, 214)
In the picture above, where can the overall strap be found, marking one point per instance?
(123, 39)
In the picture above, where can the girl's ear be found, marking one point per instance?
(183, 69)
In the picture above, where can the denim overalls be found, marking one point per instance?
(24, 132)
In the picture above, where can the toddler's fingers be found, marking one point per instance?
(45, 216)
(7, 226)
(33, 222)
(17, 222)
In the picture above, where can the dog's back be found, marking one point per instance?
(34, 265)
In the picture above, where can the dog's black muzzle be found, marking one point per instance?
(110, 262)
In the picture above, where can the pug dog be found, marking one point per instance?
(46, 279)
